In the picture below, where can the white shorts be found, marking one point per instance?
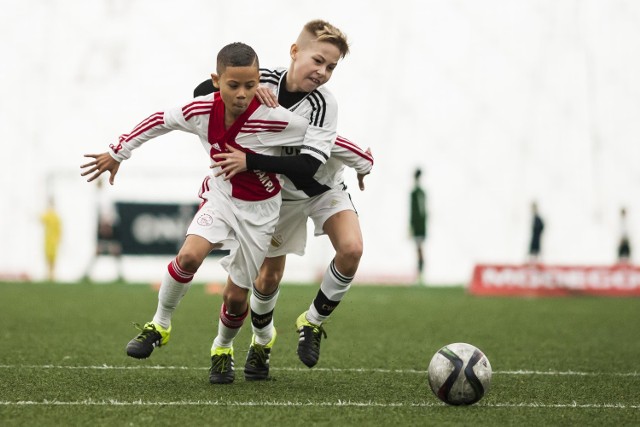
(290, 236)
(244, 228)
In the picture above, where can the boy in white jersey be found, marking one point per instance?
(322, 198)
(238, 213)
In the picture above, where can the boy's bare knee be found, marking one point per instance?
(269, 282)
(235, 298)
(269, 278)
(189, 261)
(351, 252)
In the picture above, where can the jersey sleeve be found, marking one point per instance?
(351, 155)
(287, 129)
(300, 165)
(182, 118)
(323, 122)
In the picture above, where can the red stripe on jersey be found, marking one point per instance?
(197, 112)
(345, 143)
(196, 108)
(254, 126)
(261, 129)
(150, 125)
(147, 120)
(266, 122)
(154, 117)
(197, 104)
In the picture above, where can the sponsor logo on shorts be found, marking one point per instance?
(334, 203)
(205, 220)
(276, 241)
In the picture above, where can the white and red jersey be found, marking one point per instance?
(259, 129)
(344, 153)
(320, 108)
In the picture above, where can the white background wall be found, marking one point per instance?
(500, 102)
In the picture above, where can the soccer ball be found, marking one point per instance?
(459, 374)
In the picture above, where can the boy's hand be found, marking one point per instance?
(361, 180)
(361, 176)
(267, 97)
(101, 163)
(230, 163)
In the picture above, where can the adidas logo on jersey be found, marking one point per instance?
(216, 146)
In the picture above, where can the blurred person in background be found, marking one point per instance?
(624, 246)
(418, 222)
(108, 241)
(537, 227)
(52, 235)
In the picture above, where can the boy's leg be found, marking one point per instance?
(343, 229)
(233, 312)
(262, 303)
(175, 284)
(264, 297)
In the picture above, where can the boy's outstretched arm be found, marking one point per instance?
(235, 161)
(351, 155)
(101, 163)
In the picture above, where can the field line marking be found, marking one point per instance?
(337, 370)
(339, 403)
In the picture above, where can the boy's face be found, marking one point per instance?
(237, 86)
(312, 65)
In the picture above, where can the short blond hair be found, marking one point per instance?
(323, 31)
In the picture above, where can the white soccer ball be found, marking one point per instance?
(459, 374)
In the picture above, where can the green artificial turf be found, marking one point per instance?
(556, 361)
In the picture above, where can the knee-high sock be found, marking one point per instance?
(175, 284)
(332, 289)
(228, 327)
(262, 307)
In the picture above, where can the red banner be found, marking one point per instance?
(550, 280)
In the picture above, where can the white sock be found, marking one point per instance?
(262, 307)
(173, 288)
(333, 288)
(228, 328)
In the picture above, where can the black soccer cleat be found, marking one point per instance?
(150, 337)
(222, 370)
(256, 367)
(309, 341)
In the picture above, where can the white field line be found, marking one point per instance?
(336, 370)
(338, 403)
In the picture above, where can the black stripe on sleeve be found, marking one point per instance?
(319, 106)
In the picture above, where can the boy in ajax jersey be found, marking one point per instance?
(238, 213)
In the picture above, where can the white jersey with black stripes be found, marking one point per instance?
(320, 108)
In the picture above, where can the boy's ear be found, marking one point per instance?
(216, 80)
(293, 51)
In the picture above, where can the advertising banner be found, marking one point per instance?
(154, 228)
(543, 280)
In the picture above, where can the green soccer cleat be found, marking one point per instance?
(256, 367)
(222, 371)
(309, 341)
(151, 336)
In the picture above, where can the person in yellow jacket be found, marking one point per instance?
(52, 234)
